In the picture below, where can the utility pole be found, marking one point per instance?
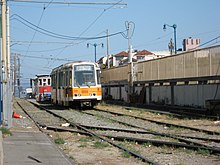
(18, 79)
(108, 48)
(129, 41)
(15, 73)
(6, 88)
(129, 35)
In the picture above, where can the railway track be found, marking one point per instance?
(113, 129)
(176, 111)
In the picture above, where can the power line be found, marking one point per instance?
(99, 17)
(69, 3)
(206, 43)
(56, 35)
(35, 31)
(46, 58)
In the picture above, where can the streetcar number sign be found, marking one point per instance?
(83, 67)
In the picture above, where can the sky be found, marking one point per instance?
(46, 35)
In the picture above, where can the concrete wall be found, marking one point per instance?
(195, 95)
(186, 79)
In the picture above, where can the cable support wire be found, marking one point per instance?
(127, 29)
(56, 35)
(98, 18)
(46, 58)
(70, 3)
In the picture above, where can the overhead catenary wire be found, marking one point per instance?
(69, 2)
(35, 31)
(56, 35)
(46, 58)
(98, 18)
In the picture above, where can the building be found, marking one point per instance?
(190, 43)
(122, 57)
(144, 55)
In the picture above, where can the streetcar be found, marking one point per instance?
(41, 88)
(76, 84)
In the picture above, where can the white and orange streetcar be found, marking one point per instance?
(76, 83)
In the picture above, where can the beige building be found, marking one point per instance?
(190, 43)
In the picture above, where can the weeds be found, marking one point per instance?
(100, 144)
(126, 154)
(5, 131)
(59, 141)
(203, 151)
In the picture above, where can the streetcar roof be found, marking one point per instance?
(69, 64)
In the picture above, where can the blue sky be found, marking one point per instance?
(194, 18)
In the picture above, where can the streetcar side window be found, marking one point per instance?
(40, 81)
(67, 77)
(48, 81)
(70, 78)
(98, 73)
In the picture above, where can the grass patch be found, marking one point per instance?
(126, 154)
(59, 141)
(5, 131)
(100, 144)
(203, 151)
(84, 139)
(148, 144)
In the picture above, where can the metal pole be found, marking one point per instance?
(19, 76)
(4, 67)
(174, 27)
(129, 42)
(1, 81)
(95, 51)
(108, 49)
(15, 73)
(9, 83)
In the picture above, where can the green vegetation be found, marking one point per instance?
(5, 131)
(84, 139)
(148, 144)
(100, 144)
(59, 141)
(203, 151)
(126, 154)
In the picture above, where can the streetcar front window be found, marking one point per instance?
(84, 75)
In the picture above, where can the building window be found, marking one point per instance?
(140, 57)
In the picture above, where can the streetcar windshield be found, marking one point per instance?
(84, 75)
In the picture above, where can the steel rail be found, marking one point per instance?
(190, 143)
(91, 133)
(212, 150)
(161, 123)
(166, 135)
(149, 132)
